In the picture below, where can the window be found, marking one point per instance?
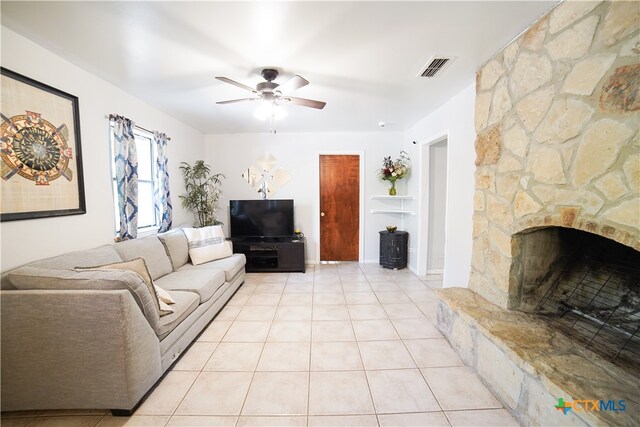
(145, 148)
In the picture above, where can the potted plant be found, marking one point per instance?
(203, 192)
(392, 171)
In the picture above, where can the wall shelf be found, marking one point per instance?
(393, 211)
(385, 197)
(390, 207)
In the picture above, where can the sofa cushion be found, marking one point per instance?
(203, 282)
(27, 278)
(151, 249)
(207, 244)
(104, 254)
(177, 246)
(185, 328)
(186, 303)
(230, 265)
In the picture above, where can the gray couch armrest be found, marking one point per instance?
(34, 278)
(75, 349)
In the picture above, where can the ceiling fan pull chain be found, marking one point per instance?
(271, 129)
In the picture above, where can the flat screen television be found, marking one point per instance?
(261, 218)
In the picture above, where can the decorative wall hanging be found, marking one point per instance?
(41, 161)
(265, 176)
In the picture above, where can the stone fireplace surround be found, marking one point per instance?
(557, 146)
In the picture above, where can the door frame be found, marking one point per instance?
(424, 201)
(316, 216)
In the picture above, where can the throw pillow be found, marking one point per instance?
(164, 296)
(138, 266)
(207, 244)
(164, 308)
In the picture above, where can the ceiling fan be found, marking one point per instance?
(272, 92)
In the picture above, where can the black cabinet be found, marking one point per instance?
(393, 249)
(284, 254)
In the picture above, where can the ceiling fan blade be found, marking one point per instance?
(231, 101)
(306, 102)
(293, 83)
(235, 83)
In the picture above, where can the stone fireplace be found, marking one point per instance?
(557, 172)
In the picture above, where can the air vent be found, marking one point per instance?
(435, 66)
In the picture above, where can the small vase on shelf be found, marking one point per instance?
(392, 190)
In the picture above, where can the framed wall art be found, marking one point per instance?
(40, 153)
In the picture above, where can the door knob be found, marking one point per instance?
(321, 213)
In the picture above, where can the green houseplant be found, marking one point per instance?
(203, 192)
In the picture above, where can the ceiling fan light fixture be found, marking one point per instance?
(271, 96)
(270, 109)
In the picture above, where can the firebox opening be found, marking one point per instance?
(584, 285)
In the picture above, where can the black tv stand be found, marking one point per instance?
(276, 254)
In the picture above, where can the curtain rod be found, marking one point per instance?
(110, 117)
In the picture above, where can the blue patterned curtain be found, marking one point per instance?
(162, 195)
(126, 164)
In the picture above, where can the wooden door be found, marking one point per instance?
(339, 207)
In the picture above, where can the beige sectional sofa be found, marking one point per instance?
(80, 339)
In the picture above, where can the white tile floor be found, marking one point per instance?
(341, 345)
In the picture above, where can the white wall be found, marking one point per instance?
(230, 154)
(298, 153)
(27, 240)
(455, 120)
(437, 202)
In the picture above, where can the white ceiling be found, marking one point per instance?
(362, 58)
